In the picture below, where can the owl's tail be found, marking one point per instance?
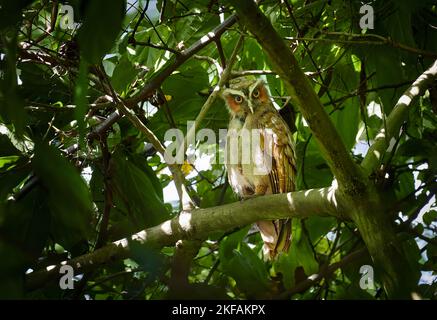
(276, 236)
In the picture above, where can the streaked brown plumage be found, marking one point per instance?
(251, 108)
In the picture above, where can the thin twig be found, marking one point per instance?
(358, 39)
(212, 61)
(155, 46)
(221, 52)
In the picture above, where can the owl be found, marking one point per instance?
(259, 154)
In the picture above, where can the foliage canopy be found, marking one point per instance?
(75, 175)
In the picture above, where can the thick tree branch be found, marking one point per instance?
(390, 132)
(183, 257)
(303, 95)
(199, 223)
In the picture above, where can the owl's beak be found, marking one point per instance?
(250, 107)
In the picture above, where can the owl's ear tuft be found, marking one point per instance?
(228, 96)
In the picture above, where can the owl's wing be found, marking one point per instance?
(277, 234)
(283, 170)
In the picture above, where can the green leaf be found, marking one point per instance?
(10, 12)
(7, 161)
(253, 56)
(80, 99)
(154, 59)
(241, 263)
(286, 265)
(248, 271)
(346, 121)
(41, 83)
(142, 164)
(148, 258)
(430, 217)
(412, 253)
(6, 146)
(123, 74)
(102, 24)
(11, 271)
(69, 199)
(11, 179)
(26, 223)
(388, 62)
(316, 173)
(136, 191)
(193, 27)
(12, 104)
(183, 87)
(230, 243)
(97, 188)
(405, 185)
(14, 167)
(24, 229)
(304, 253)
(416, 148)
(319, 226)
(300, 254)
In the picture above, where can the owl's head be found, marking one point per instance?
(246, 95)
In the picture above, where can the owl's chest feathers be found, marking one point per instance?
(246, 162)
(241, 133)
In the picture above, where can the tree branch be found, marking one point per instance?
(199, 223)
(154, 46)
(362, 39)
(236, 74)
(302, 94)
(179, 59)
(243, 73)
(396, 119)
(185, 252)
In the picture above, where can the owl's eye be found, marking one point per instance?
(255, 93)
(238, 99)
